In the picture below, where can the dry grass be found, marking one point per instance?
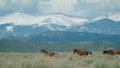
(63, 60)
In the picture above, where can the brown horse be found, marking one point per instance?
(46, 53)
(81, 52)
(117, 52)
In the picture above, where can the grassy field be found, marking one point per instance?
(63, 60)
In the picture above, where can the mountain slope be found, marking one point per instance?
(72, 36)
(105, 26)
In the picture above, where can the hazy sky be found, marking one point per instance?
(82, 8)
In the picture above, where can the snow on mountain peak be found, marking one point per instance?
(17, 19)
(52, 21)
(115, 17)
(9, 28)
(26, 19)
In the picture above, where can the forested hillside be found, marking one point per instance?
(23, 46)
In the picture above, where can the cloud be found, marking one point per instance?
(92, 8)
(25, 6)
(96, 1)
(56, 6)
(22, 3)
(2, 3)
(83, 8)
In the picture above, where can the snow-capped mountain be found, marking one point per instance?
(26, 19)
(21, 24)
(104, 26)
(115, 17)
(11, 34)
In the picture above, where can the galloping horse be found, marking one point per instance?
(109, 52)
(117, 52)
(81, 52)
(46, 53)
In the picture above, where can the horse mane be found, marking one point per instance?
(43, 51)
(75, 50)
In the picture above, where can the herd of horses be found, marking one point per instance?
(80, 52)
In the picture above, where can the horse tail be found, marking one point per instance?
(90, 52)
(56, 54)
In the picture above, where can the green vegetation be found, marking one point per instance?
(63, 60)
(23, 46)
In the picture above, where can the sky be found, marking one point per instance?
(81, 8)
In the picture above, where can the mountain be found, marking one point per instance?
(68, 37)
(73, 36)
(10, 29)
(21, 32)
(105, 26)
(63, 27)
(25, 24)
(115, 17)
(21, 24)
(26, 19)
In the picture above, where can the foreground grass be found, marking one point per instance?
(63, 60)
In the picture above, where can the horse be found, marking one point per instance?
(109, 52)
(46, 53)
(117, 52)
(81, 52)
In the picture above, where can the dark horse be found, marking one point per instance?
(81, 52)
(110, 52)
(46, 53)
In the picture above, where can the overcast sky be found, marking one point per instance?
(82, 8)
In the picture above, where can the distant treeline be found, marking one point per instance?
(23, 46)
